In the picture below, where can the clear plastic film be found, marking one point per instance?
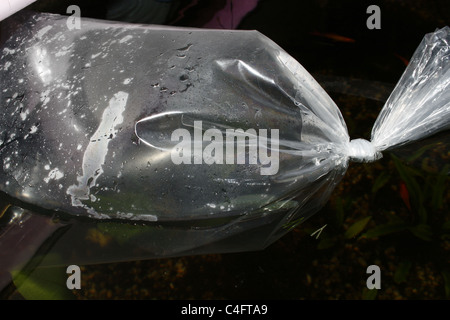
(419, 105)
(180, 141)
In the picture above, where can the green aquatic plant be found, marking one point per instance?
(402, 271)
(357, 227)
(369, 294)
(425, 193)
(43, 284)
(35, 282)
(446, 276)
(414, 215)
(423, 190)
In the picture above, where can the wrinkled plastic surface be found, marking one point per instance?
(89, 116)
(81, 133)
(419, 105)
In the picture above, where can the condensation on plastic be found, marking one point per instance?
(88, 117)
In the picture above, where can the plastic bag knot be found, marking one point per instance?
(360, 150)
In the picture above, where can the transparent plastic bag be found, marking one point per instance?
(419, 105)
(181, 141)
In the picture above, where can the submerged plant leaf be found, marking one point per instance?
(369, 294)
(422, 231)
(357, 227)
(121, 232)
(446, 276)
(340, 212)
(402, 271)
(438, 188)
(385, 229)
(43, 284)
(380, 181)
(415, 190)
(407, 175)
(420, 152)
(326, 243)
(446, 225)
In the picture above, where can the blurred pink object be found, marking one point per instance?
(231, 14)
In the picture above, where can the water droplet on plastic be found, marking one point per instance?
(184, 77)
(186, 48)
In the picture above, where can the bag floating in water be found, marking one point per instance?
(219, 132)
